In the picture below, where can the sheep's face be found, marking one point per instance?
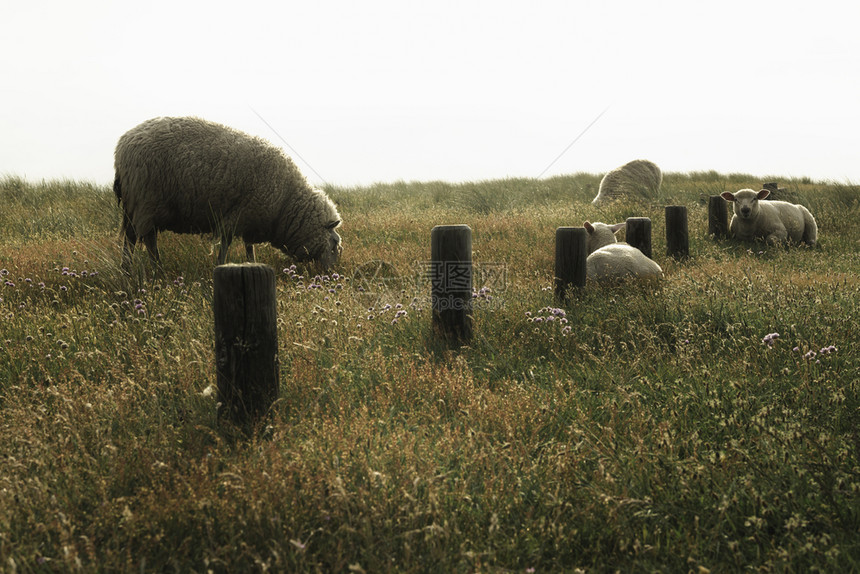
(322, 243)
(331, 251)
(746, 202)
(324, 249)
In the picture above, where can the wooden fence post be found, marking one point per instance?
(718, 226)
(571, 251)
(246, 341)
(638, 234)
(451, 282)
(677, 232)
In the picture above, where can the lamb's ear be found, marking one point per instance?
(617, 227)
(588, 227)
(728, 196)
(763, 193)
(333, 224)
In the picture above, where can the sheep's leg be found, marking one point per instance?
(777, 237)
(226, 240)
(151, 242)
(249, 251)
(129, 240)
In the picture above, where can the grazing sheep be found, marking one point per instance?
(638, 178)
(774, 221)
(610, 261)
(188, 175)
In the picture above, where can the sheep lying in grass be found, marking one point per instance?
(774, 221)
(188, 175)
(610, 261)
(639, 178)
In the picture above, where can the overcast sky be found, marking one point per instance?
(380, 91)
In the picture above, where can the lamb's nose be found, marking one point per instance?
(745, 210)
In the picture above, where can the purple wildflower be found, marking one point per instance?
(770, 339)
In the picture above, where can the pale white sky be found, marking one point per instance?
(383, 90)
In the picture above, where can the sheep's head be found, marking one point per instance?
(314, 239)
(746, 202)
(601, 234)
(323, 247)
(332, 249)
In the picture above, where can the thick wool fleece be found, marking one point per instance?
(639, 178)
(189, 175)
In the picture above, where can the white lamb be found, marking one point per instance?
(774, 221)
(610, 261)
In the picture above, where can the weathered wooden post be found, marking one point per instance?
(776, 193)
(677, 232)
(246, 341)
(571, 251)
(451, 282)
(638, 234)
(718, 226)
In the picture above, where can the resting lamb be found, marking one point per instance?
(774, 221)
(610, 261)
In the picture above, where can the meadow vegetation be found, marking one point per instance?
(711, 424)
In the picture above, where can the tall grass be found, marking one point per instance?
(631, 429)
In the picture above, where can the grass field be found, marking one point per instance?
(635, 429)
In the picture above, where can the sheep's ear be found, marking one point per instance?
(333, 224)
(588, 227)
(763, 193)
(617, 227)
(728, 196)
